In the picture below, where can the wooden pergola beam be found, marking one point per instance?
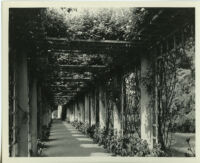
(66, 40)
(64, 96)
(82, 66)
(75, 80)
(91, 46)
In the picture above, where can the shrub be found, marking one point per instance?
(126, 145)
(91, 131)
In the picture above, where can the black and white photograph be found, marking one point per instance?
(101, 82)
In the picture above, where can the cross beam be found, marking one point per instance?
(64, 96)
(73, 79)
(51, 40)
(82, 67)
(91, 46)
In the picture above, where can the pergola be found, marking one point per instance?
(81, 85)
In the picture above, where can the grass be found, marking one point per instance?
(179, 145)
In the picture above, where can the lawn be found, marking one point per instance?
(179, 144)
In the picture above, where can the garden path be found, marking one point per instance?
(65, 140)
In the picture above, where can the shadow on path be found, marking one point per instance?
(65, 141)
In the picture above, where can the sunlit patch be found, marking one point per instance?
(71, 129)
(84, 139)
(75, 132)
(101, 154)
(90, 146)
(78, 135)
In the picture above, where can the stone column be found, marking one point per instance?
(22, 107)
(72, 113)
(146, 107)
(67, 114)
(49, 115)
(76, 110)
(86, 108)
(79, 110)
(40, 108)
(93, 109)
(102, 108)
(33, 117)
(117, 107)
(97, 105)
(82, 107)
(59, 111)
(44, 115)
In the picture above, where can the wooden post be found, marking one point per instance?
(22, 106)
(146, 107)
(33, 120)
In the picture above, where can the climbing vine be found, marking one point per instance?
(173, 76)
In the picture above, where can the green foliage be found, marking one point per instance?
(89, 23)
(176, 91)
(40, 147)
(184, 101)
(97, 23)
(191, 150)
(127, 145)
(25, 27)
(132, 111)
(83, 127)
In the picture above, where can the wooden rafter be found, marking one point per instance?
(82, 66)
(66, 40)
(73, 79)
(91, 46)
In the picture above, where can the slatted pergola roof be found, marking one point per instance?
(68, 78)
